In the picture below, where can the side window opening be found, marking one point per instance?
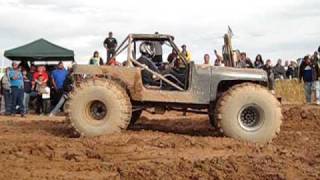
(158, 57)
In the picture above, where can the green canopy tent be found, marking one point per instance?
(40, 50)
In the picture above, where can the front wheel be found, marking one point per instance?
(249, 112)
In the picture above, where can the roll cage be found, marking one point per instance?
(130, 44)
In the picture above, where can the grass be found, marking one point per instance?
(291, 91)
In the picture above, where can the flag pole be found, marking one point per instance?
(230, 35)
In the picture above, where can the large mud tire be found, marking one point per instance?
(249, 112)
(99, 107)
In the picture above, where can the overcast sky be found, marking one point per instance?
(285, 29)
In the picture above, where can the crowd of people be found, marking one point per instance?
(305, 69)
(27, 88)
(286, 70)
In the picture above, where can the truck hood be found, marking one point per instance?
(240, 73)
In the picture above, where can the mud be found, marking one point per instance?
(170, 146)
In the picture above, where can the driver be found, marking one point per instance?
(147, 53)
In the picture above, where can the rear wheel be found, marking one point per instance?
(249, 112)
(99, 107)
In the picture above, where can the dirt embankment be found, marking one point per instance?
(159, 147)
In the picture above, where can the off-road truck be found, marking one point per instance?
(109, 99)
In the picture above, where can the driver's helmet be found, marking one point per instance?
(147, 49)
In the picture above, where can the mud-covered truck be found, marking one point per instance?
(109, 99)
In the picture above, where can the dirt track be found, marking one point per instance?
(159, 147)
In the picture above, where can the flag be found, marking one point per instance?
(230, 31)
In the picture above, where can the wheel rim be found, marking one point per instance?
(97, 110)
(251, 117)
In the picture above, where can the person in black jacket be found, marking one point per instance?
(309, 72)
(110, 43)
(147, 53)
(292, 71)
(268, 68)
(258, 63)
(244, 61)
(27, 83)
(315, 59)
(279, 70)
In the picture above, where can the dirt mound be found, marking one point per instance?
(169, 146)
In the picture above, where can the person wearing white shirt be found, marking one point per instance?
(43, 98)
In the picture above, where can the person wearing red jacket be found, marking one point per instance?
(113, 62)
(41, 71)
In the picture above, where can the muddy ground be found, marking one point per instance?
(159, 147)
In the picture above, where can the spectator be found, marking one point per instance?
(258, 63)
(309, 72)
(241, 63)
(315, 58)
(292, 70)
(23, 65)
(219, 59)
(299, 61)
(110, 43)
(268, 68)
(286, 65)
(296, 69)
(279, 71)
(186, 53)
(58, 77)
(33, 69)
(316, 85)
(113, 62)
(67, 87)
(43, 98)
(157, 59)
(236, 57)
(244, 62)
(218, 62)
(249, 63)
(27, 83)
(96, 59)
(206, 59)
(41, 71)
(6, 91)
(16, 83)
(173, 59)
